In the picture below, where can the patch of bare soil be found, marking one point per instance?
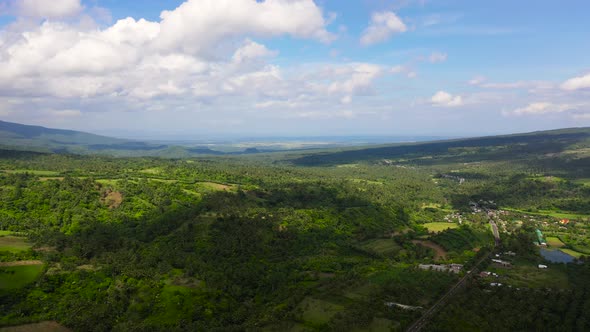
(20, 263)
(439, 252)
(48, 326)
(112, 199)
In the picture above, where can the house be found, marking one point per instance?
(501, 262)
(564, 221)
(455, 268)
(541, 266)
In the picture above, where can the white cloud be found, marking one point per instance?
(541, 108)
(445, 99)
(53, 9)
(197, 26)
(437, 57)
(360, 78)
(383, 25)
(252, 51)
(577, 83)
(534, 85)
(200, 49)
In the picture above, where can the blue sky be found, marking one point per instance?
(295, 67)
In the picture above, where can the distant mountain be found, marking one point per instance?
(37, 138)
(15, 136)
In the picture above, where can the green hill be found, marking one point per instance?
(508, 147)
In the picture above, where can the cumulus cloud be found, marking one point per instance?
(145, 59)
(250, 51)
(437, 57)
(197, 26)
(382, 27)
(577, 83)
(445, 99)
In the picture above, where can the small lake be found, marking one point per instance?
(556, 256)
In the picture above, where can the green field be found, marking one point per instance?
(318, 312)
(436, 227)
(573, 253)
(554, 214)
(554, 242)
(528, 275)
(13, 243)
(382, 246)
(19, 276)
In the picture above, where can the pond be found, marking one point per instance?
(556, 256)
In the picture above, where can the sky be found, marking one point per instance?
(216, 68)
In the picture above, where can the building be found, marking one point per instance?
(455, 268)
(540, 238)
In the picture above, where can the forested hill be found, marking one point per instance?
(52, 140)
(542, 143)
(17, 131)
(15, 136)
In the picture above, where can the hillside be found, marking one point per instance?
(15, 136)
(553, 144)
(253, 243)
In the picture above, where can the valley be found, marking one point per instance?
(263, 242)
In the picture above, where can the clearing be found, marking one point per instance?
(318, 312)
(554, 241)
(528, 275)
(214, 186)
(112, 199)
(382, 246)
(573, 253)
(20, 263)
(439, 252)
(436, 227)
(19, 276)
(48, 326)
(13, 243)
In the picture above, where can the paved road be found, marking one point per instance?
(422, 321)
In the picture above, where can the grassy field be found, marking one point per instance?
(378, 325)
(572, 253)
(554, 242)
(214, 186)
(318, 312)
(382, 246)
(13, 243)
(554, 214)
(436, 227)
(530, 276)
(19, 276)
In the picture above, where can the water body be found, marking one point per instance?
(556, 256)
